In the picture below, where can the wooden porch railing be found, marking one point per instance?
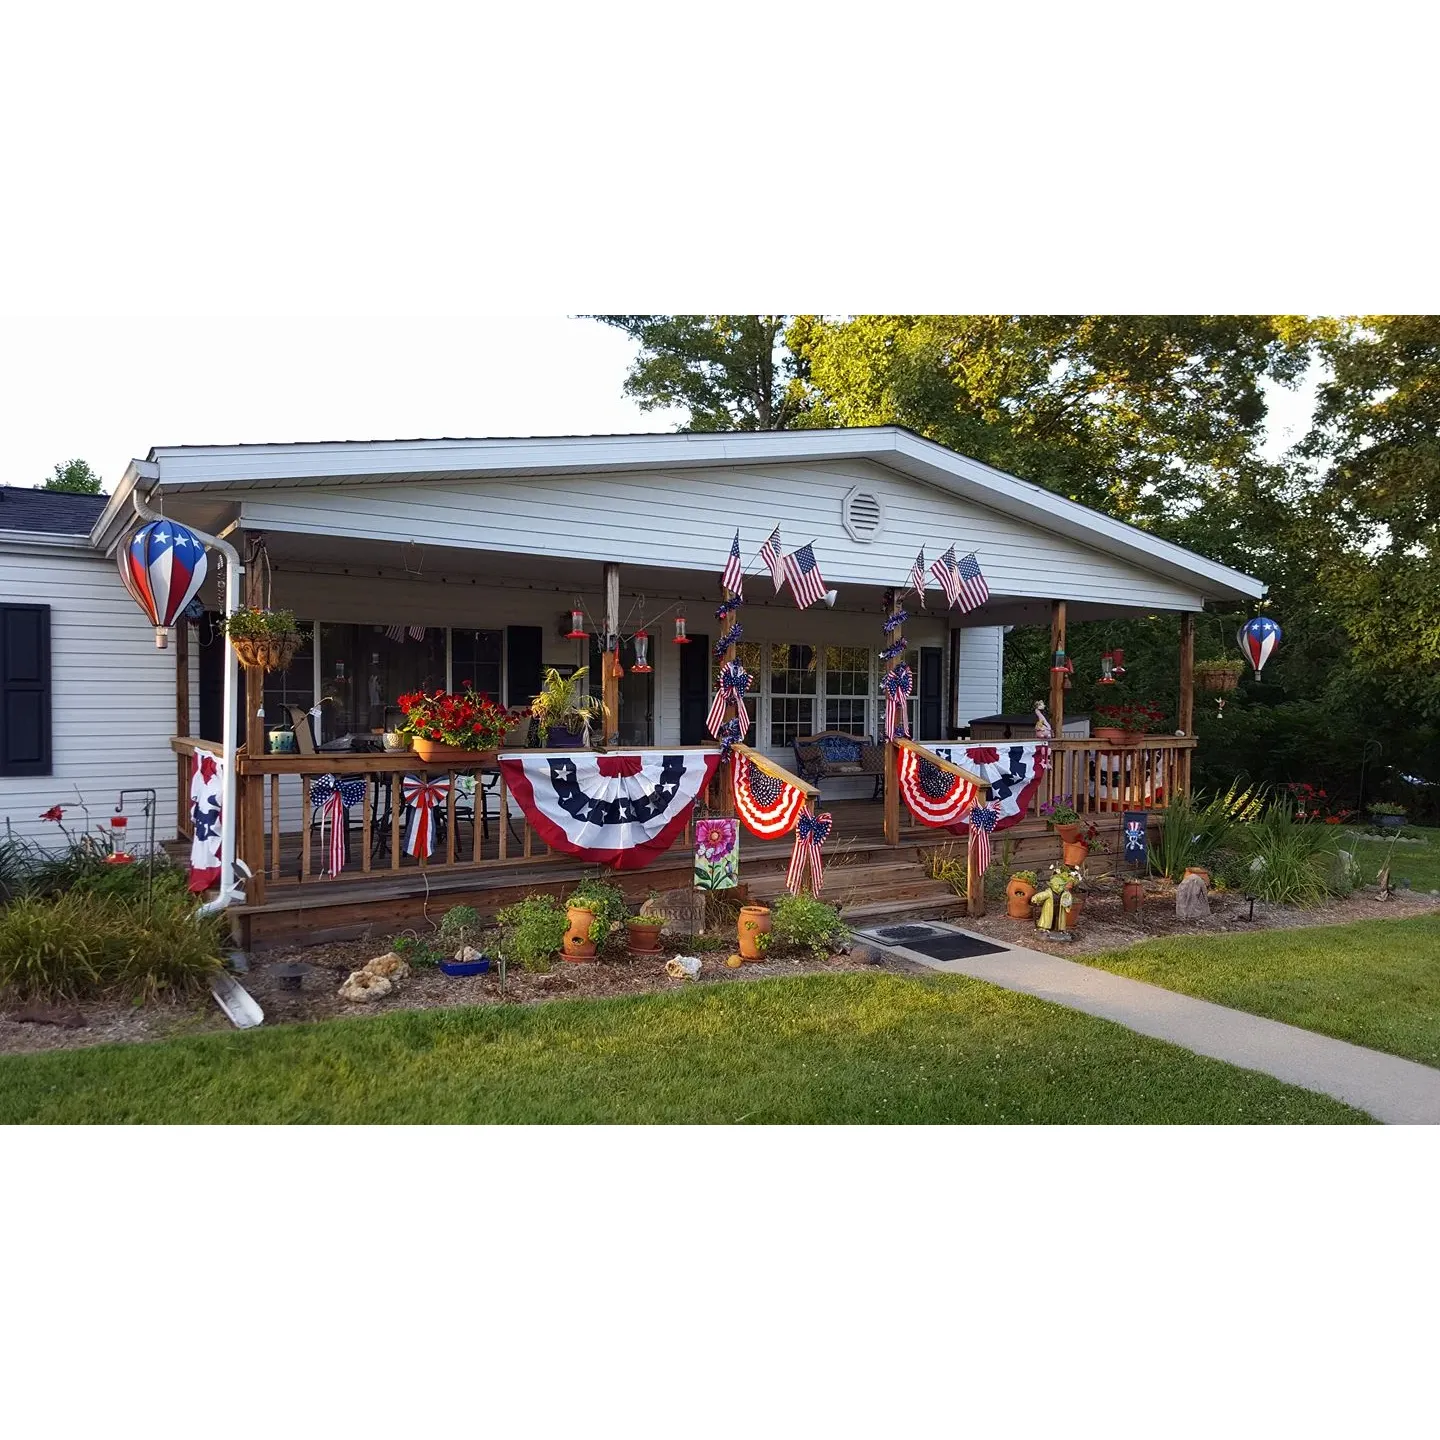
(1102, 778)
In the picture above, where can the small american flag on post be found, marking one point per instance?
(973, 589)
(417, 632)
(944, 571)
(733, 576)
(395, 633)
(770, 554)
(807, 584)
(917, 576)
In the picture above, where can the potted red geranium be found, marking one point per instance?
(1128, 724)
(448, 726)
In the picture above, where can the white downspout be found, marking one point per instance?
(230, 891)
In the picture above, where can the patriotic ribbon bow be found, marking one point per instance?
(335, 796)
(729, 638)
(897, 685)
(983, 819)
(811, 832)
(422, 797)
(734, 681)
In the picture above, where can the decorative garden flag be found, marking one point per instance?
(945, 572)
(811, 832)
(972, 589)
(621, 809)
(733, 575)
(1134, 831)
(717, 853)
(770, 554)
(767, 805)
(205, 792)
(807, 584)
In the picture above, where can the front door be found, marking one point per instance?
(694, 690)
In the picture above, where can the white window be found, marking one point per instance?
(793, 686)
(847, 689)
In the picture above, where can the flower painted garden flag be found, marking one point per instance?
(717, 854)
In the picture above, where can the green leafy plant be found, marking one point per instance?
(1287, 861)
(1194, 830)
(532, 931)
(611, 909)
(563, 702)
(1028, 876)
(1059, 811)
(459, 927)
(1218, 667)
(247, 623)
(1384, 807)
(801, 922)
(948, 863)
(417, 950)
(648, 922)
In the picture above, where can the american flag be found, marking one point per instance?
(395, 633)
(973, 589)
(770, 554)
(944, 571)
(983, 819)
(807, 584)
(733, 576)
(417, 632)
(917, 577)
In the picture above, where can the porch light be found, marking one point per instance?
(577, 625)
(642, 653)
(681, 638)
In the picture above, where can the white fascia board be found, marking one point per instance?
(31, 540)
(120, 510)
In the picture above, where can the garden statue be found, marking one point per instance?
(1192, 902)
(1055, 900)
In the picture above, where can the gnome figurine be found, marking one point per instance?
(1054, 901)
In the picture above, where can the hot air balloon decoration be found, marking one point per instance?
(163, 566)
(1258, 640)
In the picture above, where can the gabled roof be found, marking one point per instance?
(49, 512)
(251, 467)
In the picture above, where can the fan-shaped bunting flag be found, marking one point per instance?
(768, 805)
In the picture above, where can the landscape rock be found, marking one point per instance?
(468, 954)
(1191, 900)
(682, 910)
(390, 967)
(362, 985)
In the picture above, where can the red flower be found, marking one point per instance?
(55, 812)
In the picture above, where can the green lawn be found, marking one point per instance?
(1376, 983)
(1415, 861)
(852, 1048)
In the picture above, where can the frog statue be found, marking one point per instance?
(1054, 900)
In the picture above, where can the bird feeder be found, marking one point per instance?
(642, 653)
(577, 625)
(1107, 668)
(681, 638)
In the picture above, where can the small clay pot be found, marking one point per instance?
(578, 946)
(1075, 853)
(1069, 834)
(1017, 899)
(644, 939)
(1108, 735)
(754, 921)
(1132, 896)
(1077, 905)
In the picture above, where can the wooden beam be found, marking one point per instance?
(1185, 718)
(1057, 677)
(250, 817)
(182, 724)
(610, 659)
(892, 754)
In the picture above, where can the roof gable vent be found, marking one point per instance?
(863, 515)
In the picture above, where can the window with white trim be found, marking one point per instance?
(793, 686)
(847, 689)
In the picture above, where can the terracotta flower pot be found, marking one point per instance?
(436, 751)
(1077, 905)
(1069, 834)
(578, 945)
(754, 922)
(644, 939)
(1074, 853)
(1108, 734)
(1133, 737)
(1132, 896)
(1017, 899)
(1199, 870)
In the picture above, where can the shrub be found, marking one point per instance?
(801, 922)
(532, 931)
(81, 945)
(1193, 831)
(417, 950)
(459, 927)
(1286, 861)
(1384, 807)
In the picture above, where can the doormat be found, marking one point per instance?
(953, 947)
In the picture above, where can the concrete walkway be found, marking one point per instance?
(1397, 1091)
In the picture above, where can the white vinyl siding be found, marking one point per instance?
(979, 688)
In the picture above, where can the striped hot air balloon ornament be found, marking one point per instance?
(163, 565)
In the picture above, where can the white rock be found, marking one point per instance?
(467, 955)
(362, 985)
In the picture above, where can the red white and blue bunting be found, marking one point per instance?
(206, 789)
(1012, 770)
(621, 809)
(897, 684)
(983, 820)
(333, 797)
(731, 685)
(811, 832)
(768, 805)
(425, 799)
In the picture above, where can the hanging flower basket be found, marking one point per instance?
(1216, 676)
(263, 639)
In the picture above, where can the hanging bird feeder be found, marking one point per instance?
(681, 638)
(1117, 664)
(642, 653)
(577, 626)
(1107, 668)
(163, 566)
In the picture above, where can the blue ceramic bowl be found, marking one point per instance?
(466, 967)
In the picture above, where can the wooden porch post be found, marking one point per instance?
(724, 801)
(250, 794)
(182, 724)
(610, 659)
(892, 751)
(1057, 677)
(1185, 720)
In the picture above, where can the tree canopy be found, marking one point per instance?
(74, 476)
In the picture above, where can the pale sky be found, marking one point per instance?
(107, 390)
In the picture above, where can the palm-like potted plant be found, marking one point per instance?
(263, 639)
(564, 713)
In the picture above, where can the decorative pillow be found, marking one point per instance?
(808, 754)
(840, 751)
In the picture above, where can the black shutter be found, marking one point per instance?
(695, 690)
(522, 663)
(928, 695)
(25, 690)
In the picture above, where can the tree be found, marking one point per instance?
(75, 477)
(730, 372)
